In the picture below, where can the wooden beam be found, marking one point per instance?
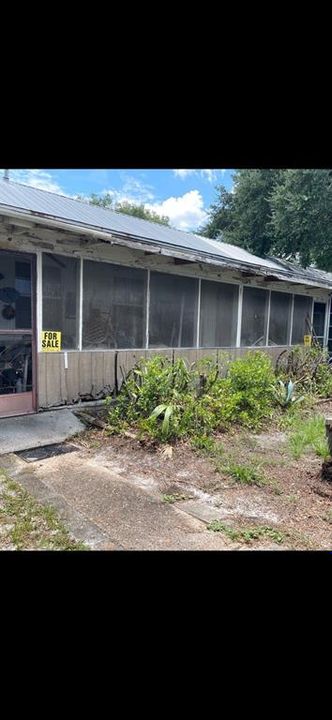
(180, 261)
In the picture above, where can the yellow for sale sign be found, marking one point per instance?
(307, 339)
(51, 341)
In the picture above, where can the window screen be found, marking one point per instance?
(218, 322)
(114, 306)
(15, 293)
(61, 297)
(173, 311)
(319, 321)
(280, 315)
(301, 318)
(254, 317)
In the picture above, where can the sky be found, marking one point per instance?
(183, 195)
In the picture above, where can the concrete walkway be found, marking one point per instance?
(30, 431)
(107, 511)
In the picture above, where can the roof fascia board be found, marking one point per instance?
(145, 244)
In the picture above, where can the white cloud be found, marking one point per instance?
(185, 212)
(138, 189)
(210, 175)
(133, 191)
(183, 173)
(36, 178)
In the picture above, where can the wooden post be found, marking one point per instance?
(328, 430)
(326, 472)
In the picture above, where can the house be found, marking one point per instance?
(118, 288)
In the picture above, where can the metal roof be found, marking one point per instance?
(16, 198)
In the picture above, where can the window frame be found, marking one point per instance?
(81, 257)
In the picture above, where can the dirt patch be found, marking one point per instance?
(292, 498)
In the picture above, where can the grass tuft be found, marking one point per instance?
(31, 525)
(309, 435)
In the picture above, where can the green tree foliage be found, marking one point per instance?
(242, 217)
(127, 208)
(287, 213)
(301, 216)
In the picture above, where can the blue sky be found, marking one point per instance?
(183, 195)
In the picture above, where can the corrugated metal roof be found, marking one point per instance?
(23, 198)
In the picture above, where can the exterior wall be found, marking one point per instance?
(74, 376)
(94, 375)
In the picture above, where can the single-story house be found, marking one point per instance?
(118, 288)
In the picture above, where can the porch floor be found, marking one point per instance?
(30, 431)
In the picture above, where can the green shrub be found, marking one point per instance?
(168, 400)
(252, 379)
(308, 367)
(323, 380)
(171, 400)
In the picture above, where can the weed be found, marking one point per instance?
(328, 517)
(290, 498)
(309, 434)
(203, 443)
(245, 474)
(249, 533)
(173, 498)
(33, 525)
(218, 526)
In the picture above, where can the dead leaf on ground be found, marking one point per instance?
(167, 452)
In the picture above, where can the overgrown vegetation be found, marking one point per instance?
(167, 400)
(27, 525)
(309, 434)
(307, 368)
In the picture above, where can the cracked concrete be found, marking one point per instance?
(31, 431)
(108, 511)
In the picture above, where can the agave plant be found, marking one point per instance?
(284, 394)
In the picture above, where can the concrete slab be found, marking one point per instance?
(30, 431)
(107, 512)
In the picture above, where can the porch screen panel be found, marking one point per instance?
(280, 317)
(301, 319)
(114, 306)
(173, 311)
(254, 317)
(15, 293)
(61, 297)
(218, 321)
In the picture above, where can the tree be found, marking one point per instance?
(287, 213)
(127, 208)
(301, 217)
(242, 217)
